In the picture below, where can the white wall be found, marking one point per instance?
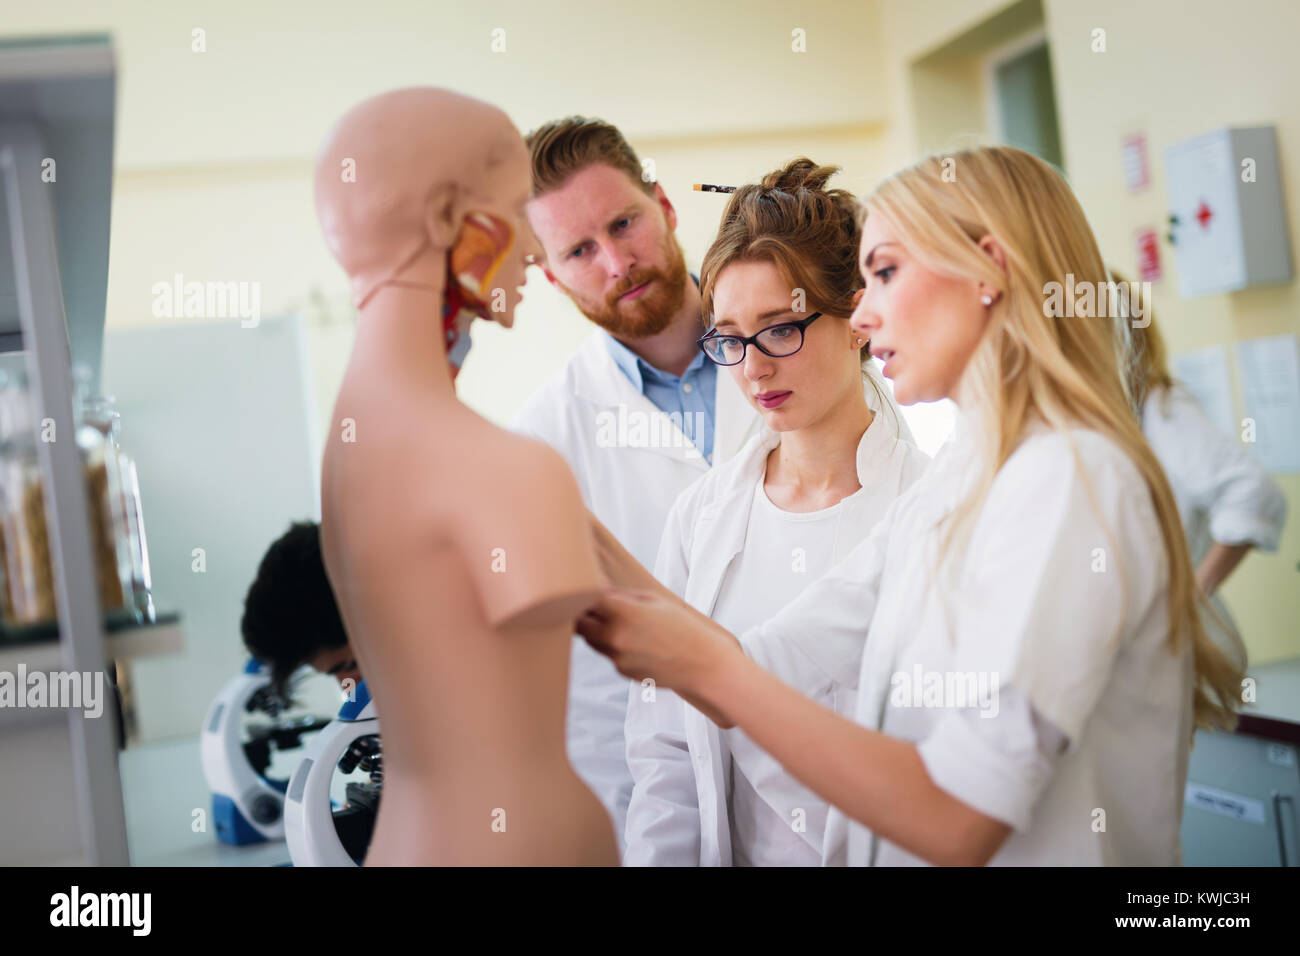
(214, 150)
(217, 418)
(275, 75)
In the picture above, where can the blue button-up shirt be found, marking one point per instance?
(688, 398)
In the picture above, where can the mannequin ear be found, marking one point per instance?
(443, 215)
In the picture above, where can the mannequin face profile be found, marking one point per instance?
(826, 372)
(504, 197)
(401, 184)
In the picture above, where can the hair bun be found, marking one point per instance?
(801, 173)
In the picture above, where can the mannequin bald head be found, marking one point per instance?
(397, 177)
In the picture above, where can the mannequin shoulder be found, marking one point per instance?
(519, 508)
(530, 458)
(505, 465)
(462, 452)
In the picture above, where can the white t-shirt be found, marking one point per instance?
(679, 814)
(775, 819)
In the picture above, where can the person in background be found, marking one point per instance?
(745, 539)
(1226, 500)
(290, 616)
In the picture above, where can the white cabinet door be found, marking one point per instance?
(1201, 180)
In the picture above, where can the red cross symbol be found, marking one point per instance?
(1203, 215)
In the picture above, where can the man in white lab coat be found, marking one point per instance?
(638, 411)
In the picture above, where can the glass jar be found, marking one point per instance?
(6, 603)
(118, 550)
(110, 538)
(131, 549)
(28, 570)
(141, 583)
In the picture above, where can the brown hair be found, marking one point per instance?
(563, 147)
(790, 219)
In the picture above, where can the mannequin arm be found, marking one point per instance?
(622, 569)
(528, 556)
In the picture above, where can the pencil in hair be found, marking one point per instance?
(706, 188)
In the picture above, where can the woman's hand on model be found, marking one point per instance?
(654, 634)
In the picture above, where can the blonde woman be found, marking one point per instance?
(779, 283)
(1227, 502)
(1023, 620)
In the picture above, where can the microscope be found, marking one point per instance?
(247, 803)
(318, 832)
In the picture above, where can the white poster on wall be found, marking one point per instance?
(1270, 381)
(1204, 373)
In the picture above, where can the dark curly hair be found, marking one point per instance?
(290, 613)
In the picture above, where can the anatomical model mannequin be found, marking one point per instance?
(458, 551)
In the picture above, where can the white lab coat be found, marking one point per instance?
(1060, 592)
(591, 414)
(680, 760)
(1223, 493)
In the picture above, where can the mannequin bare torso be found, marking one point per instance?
(472, 710)
(458, 553)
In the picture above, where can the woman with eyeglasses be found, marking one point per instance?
(780, 282)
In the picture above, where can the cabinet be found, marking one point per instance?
(1227, 212)
(61, 797)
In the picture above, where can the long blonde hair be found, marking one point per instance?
(1146, 365)
(1028, 365)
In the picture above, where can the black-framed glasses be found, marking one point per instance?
(778, 341)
